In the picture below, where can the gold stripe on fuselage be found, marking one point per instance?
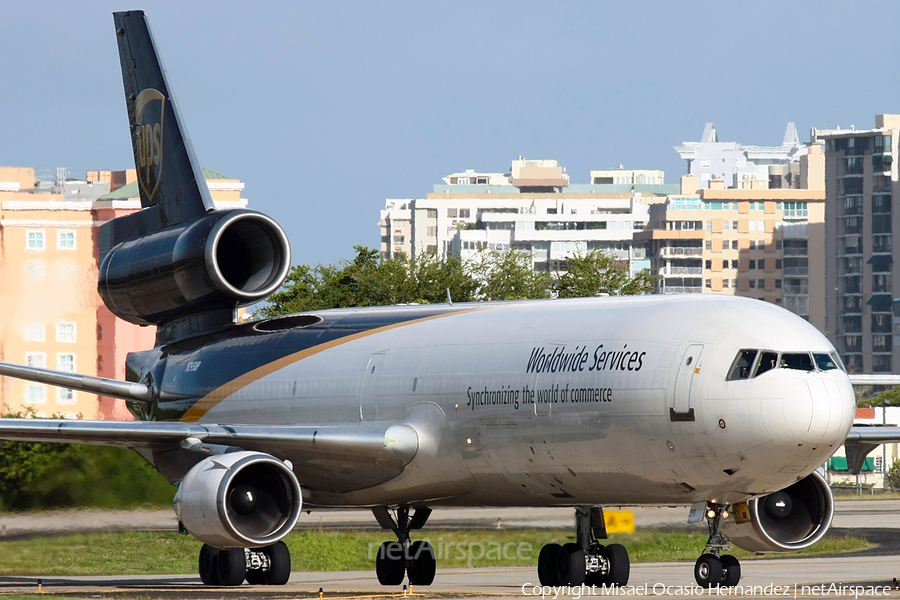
(208, 402)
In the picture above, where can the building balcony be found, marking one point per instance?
(677, 251)
(680, 271)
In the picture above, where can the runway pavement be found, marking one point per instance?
(651, 580)
(761, 578)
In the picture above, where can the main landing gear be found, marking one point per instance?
(395, 559)
(587, 561)
(713, 569)
(230, 566)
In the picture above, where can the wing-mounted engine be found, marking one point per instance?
(785, 521)
(239, 500)
(223, 260)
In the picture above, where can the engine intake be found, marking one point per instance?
(785, 521)
(239, 500)
(222, 260)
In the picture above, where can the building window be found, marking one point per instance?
(708, 243)
(34, 240)
(778, 263)
(34, 332)
(708, 283)
(708, 226)
(36, 359)
(778, 284)
(761, 284)
(464, 213)
(65, 240)
(724, 264)
(452, 212)
(752, 284)
(751, 264)
(65, 396)
(65, 362)
(778, 244)
(65, 332)
(734, 264)
(724, 283)
(35, 394)
(734, 225)
(709, 265)
(734, 283)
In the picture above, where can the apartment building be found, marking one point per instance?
(534, 208)
(755, 242)
(860, 177)
(54, 317)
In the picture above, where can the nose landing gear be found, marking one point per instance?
(587, 561)
(713, 569)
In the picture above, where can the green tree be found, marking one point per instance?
(892, 477)
(509, 275)
(890, 397)
(596, 273)
(41, 475)
(369, 280)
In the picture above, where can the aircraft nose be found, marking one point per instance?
(819, 411)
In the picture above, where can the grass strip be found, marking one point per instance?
(147, 553)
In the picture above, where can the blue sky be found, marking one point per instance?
(324, 109)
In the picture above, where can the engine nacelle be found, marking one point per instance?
(792, 519)
(239, 500)
(222, 260)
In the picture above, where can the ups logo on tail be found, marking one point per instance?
(149, 112)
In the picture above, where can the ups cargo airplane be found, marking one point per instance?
(724, 403)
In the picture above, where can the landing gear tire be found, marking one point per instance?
(209, 565)
(619, 565)
(232, 567)
(708, 571)
(421, 565)
(279, 564)
(731, 574)
(390, 564)
(256, 578)
(595, 578)
(547, 564)
(570, 566)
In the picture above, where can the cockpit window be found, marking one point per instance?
(743, 363)
(824, 362)
(796, 361)
(767, 362)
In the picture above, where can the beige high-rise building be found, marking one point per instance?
(860, 177)
(53, 315)
(759, 243)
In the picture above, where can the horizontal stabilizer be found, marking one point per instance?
(128, 390)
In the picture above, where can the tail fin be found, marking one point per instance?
(179, 263)
(168, 173)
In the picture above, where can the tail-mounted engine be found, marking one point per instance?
(239, 500)
(785, 521)
(222, 260)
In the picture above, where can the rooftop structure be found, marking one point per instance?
(744, 167)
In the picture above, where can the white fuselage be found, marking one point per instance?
(572, 402)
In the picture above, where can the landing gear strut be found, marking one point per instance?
(270, 565)
(415, 559)
(587, 561)
(713, 568)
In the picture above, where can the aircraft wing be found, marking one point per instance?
(330, 457)
(862, 439)
(886, 379)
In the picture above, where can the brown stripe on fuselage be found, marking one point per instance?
(208, 402)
